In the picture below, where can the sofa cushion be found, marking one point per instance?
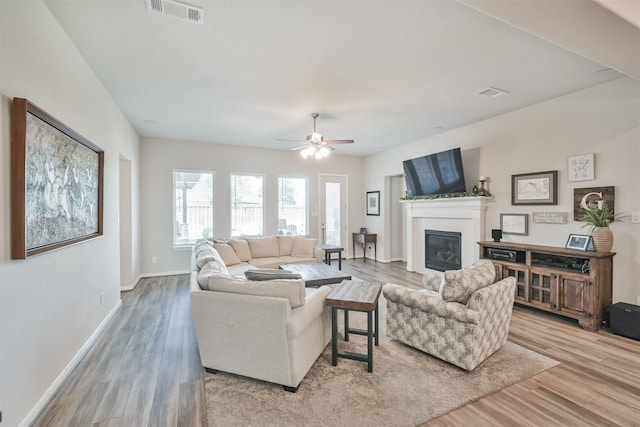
(212, 268)
(241, 247)
(264, 247)
(292, 290)
(261, 274)
(268, 262)
(460, 284)
(303, 247)
(228, 255)
(286, 244)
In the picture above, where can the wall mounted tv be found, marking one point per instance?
(439, 173)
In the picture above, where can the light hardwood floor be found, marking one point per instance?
(145, 369)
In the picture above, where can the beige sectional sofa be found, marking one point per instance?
(240, 255)
(271, 330)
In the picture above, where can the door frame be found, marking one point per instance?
(345, 226)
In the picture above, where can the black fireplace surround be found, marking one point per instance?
(442, 250)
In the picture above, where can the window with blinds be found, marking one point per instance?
(192, 206)
(247, 205)
(292, 206)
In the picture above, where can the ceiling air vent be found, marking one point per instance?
(492, 92)
(177, 9)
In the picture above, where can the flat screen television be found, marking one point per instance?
(439, 173)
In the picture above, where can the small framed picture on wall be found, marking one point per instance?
(373, 203)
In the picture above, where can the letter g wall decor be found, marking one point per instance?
(583, 196)
(57, 181)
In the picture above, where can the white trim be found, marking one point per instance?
(75, 361)
(131, 287)
(450, 214)
(166, 273)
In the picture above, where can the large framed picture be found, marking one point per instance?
(540, 188)
(514, 224)
(373, 203)
(57, 183)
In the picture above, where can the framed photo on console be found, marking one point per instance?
(580, 242)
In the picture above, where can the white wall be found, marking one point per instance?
(50, 303)
(159, 157)
(604, 120)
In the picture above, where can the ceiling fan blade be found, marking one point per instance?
(289, 140)
(299, 148)
(340, 141)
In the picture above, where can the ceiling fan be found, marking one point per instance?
(315, 144)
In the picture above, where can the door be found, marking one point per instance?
(333, 210)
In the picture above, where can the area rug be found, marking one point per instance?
(407, 387)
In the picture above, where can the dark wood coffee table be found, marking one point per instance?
(316, 273)
(356, 296)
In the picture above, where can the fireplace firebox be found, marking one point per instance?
(442, 250)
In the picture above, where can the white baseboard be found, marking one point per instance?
(166, 273)
(142, 276)
(57, 383)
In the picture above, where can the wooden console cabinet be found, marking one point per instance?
(575, 284)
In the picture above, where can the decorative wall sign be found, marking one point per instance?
(583, 196)
(550, 217)
(540, 188)
(56, 183)
(581, 168)
(514, 224)
(373, 203)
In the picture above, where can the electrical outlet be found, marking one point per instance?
(154, 260)
(101, 297)
(635, 217)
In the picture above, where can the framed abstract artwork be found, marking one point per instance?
(57, 183)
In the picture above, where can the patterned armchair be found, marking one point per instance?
(461, 316)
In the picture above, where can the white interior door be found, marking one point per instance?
(333, 210)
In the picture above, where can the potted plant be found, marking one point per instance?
(597, 218)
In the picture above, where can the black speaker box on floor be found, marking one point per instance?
(625, 320)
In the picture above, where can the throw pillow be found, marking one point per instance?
(460, 284)
(264, 247)
(293, 290)
(270, 274)
(241, 247)
(227, 254)
(303, 247)
(286, 244)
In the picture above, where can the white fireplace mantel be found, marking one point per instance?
(461, 214)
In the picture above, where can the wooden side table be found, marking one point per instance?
(332, 249)
(356, 296)
(363, 239)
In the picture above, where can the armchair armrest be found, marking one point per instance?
(301, 317)
(429, 302)
(499, 294)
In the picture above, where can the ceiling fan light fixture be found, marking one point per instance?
(316, 137)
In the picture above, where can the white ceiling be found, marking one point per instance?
(384, 73)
